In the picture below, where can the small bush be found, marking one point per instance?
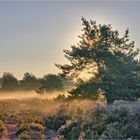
(118, 123)
(55, 122)
(2, 127)
(24, 136)
(34, 130)
(74, 133)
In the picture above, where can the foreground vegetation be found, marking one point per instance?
(70, 119)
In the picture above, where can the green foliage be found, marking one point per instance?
(112, 124)
(73, 133)
(113, 131)
(59, 121)
(9, 82)
(87, 90)
(48, 122)
(55, 122)
(2, 128)
(50, 82)
(29, 82)
(3, 116)
(111, 59)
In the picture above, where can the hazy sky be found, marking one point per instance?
(34, 34)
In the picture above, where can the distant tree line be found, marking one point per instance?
(50, 82)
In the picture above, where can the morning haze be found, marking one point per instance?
(34, 34)
(91, 90)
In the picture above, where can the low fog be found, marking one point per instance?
(29, 95)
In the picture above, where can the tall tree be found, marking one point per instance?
(29, 82)
(9, 82)
(111, 59)
(50, 82)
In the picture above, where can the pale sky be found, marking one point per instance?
(34, 34)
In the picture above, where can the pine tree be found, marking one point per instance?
(112, 59)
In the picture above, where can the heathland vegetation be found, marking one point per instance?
(100, 89)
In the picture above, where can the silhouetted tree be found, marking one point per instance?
(9, 82)
(111, 59)
(50, 82)
(29, 82)
(67, 83)
(0, 82)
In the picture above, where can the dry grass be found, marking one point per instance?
(42, 106)
(45, 107)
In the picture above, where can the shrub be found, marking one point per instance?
(48, 122)
(74, 133)
(2, 127)
(71, 130)
(58, 121)
(55, 122)
(24, 136)
(34, 130)
(118, 123)
(113, 130)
